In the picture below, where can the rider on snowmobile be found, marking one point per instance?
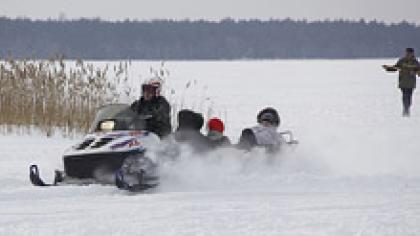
(264, 134)
(155, 108)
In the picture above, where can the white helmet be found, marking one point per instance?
(154, 85)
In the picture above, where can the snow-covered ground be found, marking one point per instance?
(356, 170)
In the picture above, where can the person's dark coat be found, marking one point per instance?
(247, 140)
(188, 131)
(408, 68)
(217, 139)
(159, 111)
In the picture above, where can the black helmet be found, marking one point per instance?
(270, 115)
(409, 50)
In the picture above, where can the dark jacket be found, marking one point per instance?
(159, 111)
(247, 140)
(217, 139)
(407, 75)
(188, 131)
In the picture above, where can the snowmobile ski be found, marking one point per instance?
(36, 179)
(140, 186)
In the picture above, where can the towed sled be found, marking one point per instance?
(116, 151)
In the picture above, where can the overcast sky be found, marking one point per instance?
(382, 10)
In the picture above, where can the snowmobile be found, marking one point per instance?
(117, 150)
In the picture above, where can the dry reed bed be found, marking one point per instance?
(49, 96)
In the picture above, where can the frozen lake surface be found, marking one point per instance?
(356, 170)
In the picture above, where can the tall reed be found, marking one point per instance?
(49, 96)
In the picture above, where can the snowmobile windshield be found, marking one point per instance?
(122, 117)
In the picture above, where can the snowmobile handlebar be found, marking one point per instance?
(289, 134)
(144, 117)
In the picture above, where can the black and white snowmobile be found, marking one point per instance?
(117, 150)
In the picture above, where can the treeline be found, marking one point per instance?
(227, 39)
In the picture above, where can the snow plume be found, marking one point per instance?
(231, 169)
(348, 157)
(381, 148)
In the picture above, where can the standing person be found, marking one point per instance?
(407, 66)
(155, 108)
(215, 128)
(264, 134)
